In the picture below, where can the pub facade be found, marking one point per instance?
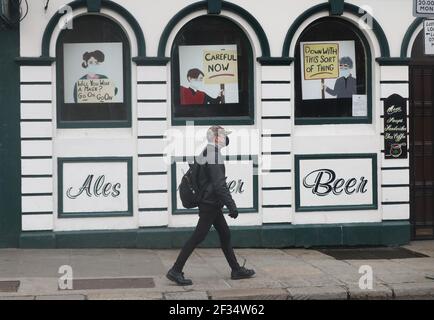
(104, 104)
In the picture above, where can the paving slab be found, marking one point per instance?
(396, 278)
(192, 295)
(62, 297)
(378, 292)
(296, 281)
(254, 283)
(126, 296)
(413, 290)
(318, 293)
(17, 298)
(247, 294)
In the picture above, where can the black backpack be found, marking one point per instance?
(189, 189)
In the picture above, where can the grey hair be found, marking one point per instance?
(348, 61)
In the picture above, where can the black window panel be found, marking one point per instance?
(328, 29)
(208, 30)
(94, 29)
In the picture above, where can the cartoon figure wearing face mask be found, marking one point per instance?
(92, 64)
(346, 85)
(195, 93)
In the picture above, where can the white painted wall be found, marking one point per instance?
(275, 18)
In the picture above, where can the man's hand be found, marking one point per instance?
(234, 214)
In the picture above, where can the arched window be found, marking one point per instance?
(93, 74)
(332, 74)
(212, 73)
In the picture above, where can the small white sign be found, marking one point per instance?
(360, 105)
(429, 36)
(94, 187)
(341, 182)
(423, 8)
(240, 180)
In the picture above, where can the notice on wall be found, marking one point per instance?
(336, 182)
(208, 74)
(240, 179)
(423, 8)
(395, 127)
(328, 69)
(429, 36)
(89, 186)
(360, 105)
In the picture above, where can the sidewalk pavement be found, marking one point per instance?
(280, 274)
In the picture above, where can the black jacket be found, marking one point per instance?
(212, 177)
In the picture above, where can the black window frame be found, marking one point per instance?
(301, 120)
(122, 36)
(246, 101)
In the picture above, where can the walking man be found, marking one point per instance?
(212, 177)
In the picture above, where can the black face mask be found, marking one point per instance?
(227, 141)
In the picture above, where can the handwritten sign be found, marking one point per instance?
(321, 61)
(220, 67)
(395, 127)
(89, 186)
(95, 91)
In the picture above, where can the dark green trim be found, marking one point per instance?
(160, 173)
(93, 6)
(395, 168)
(393, 61)
(52, 24)
(35, 61)
(372, 206)
(394, 203)
(229, 121)
(152, 209)
(386, 233)
(203, 5)
(10, 145)
(343, 120)
(62, 214)
(275, 61)
(350, 8)
(408, 35)
(275, 188)
(174, 184)
(151, 61)
(214, 6)
(336, 7)
(395, 186)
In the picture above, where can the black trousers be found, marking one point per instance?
(208, 216)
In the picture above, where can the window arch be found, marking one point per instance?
(212, 73)
(93, 74)
(332, 74)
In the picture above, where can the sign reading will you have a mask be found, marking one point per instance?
(336, 182)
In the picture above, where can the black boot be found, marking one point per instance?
(242, 273)
(178, 277)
